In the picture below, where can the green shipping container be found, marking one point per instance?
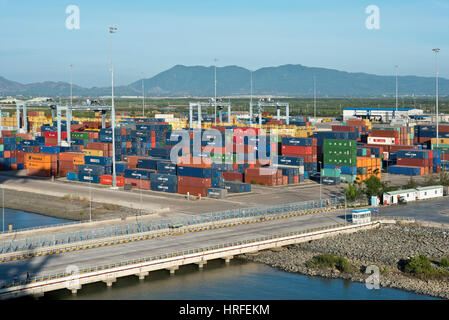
(2, 147)
(340, 152)
(349, 144)
(80, 135)
(342, 161)
(335, 173)
(348, 178)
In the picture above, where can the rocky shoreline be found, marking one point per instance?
(384, 247)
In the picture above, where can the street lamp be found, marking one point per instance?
(215, 88)
(143, 97)
(90, 197)
(114, 184)
(314, 97)
(436, 50)
(396, 67)
(70, 65)
(321, 175)
(251, 97)
(3, 204)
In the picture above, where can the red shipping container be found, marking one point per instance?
(107, 180)
(192, 190)
(298, 150)
(414, 162)
(138, 183)
(233, 176)
(194, 181)
(384, 133)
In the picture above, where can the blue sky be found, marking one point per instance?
(35, 44)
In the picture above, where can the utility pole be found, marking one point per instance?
(71, 84)
(215, 89)
(396, 68)
(321, 180)
(3, 203)
(143, 97)
(114, 178)
(251, 97)
(314, 96)
(436, 50)
(90, 197)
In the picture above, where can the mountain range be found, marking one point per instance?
(285, 80)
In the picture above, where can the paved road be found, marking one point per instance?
(171, 205)
(427, 210)
(115, 253)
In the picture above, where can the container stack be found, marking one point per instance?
(263, 176)
(194, 180)
(413, 162)
(294, 149)
(41, 164)
(330, 176)
(341, 154)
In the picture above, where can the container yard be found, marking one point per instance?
(217, 158)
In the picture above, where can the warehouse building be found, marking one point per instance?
(380, 114)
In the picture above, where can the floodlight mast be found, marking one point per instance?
(436, 50)
(114, 178)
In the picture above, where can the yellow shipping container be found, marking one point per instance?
(91, 152)
(444, 141)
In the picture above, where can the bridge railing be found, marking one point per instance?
(62, 238)
(35, 279)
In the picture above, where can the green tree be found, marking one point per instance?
(353, 192)
(411, 184)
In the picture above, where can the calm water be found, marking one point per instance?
(23, 220)
(238, 280)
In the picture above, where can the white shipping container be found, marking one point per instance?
(381, 140)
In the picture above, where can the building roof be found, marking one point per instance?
(393, 193)
(429, 188)
(381, 109)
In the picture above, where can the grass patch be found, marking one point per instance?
(330, 261)
(444, 262)
(71, 197)
(421, 267)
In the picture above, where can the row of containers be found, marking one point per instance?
(344, 154)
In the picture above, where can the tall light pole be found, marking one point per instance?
(114, 178)
(143, 97)
(321, 180)
(251, 97)
(396, 68)
(90, 197)
(215, 89)
(71, 84)
(436, 50)
(3, 205)
(314, 96)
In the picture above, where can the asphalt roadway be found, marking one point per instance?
(45, 265)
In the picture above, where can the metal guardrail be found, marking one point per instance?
(190, 251)
(36, 242)
(164, 256)
(145, 236)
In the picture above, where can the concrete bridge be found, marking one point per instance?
(70, 266)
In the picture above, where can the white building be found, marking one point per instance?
(394, 197)
(361, 216)
(380, 114)
(429, 192)
(421, 193)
